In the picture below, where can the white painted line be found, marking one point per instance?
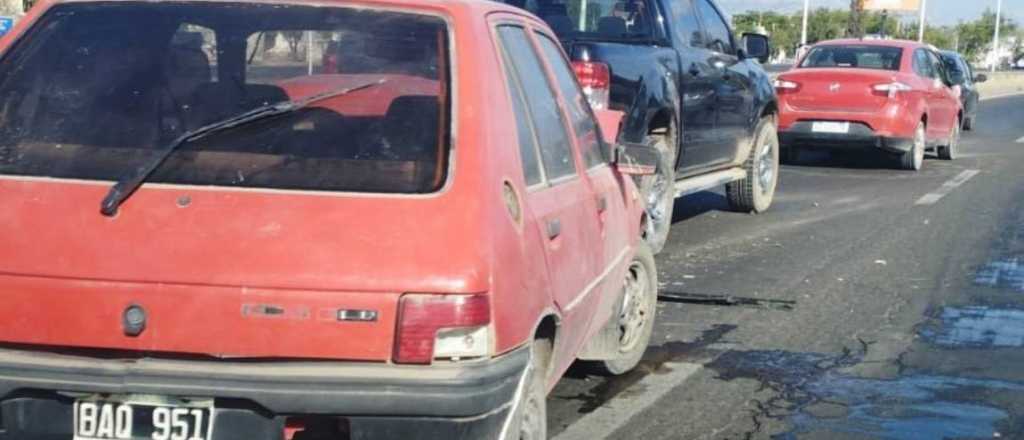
(1021, 140)
(614, 414)
(1004, 95)
(946, 188)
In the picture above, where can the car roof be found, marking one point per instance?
(475, 6)
(906, 44)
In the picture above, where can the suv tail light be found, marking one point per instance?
(785, 86)
(891, 89)
(451, 327)
(595, 78)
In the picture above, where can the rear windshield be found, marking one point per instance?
(95, 90)
(598, 19)
(854, 57)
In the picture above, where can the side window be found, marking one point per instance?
(719, 38)
(579, 110)
(524, 128)
(555, 150)
(684, 21)
(940, 69)
(923, 64)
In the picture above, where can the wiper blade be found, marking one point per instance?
(125, 187)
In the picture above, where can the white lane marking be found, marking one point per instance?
(1021, 140)
(1004, 95)
(614, 414)
(946, 188)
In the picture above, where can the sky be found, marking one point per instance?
(939, 12)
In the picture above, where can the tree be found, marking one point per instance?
(294, 39)
(12, 8)
(976, 36)
(854, 28)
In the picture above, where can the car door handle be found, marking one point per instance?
(554, 228)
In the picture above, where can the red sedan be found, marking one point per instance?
(894, 96)
(207, 240)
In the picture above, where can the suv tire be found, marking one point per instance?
(952, 148)
(659, 192)
(754, 193)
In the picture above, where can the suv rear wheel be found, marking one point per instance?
(754, 193)
(659, 192)
(952, 148)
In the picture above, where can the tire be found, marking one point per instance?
(754, 193)
(659, 193)
(913, 160)
(633, 322)
(530, 421)
(969, 123)
(952, 148)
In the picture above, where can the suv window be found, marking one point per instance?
(87, 99)
(604, 19)
(685, 23)
(579, 110)
(719, 38)
(524, 128)
(923, 64)
(556, 153)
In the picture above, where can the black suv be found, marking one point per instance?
(687, 86)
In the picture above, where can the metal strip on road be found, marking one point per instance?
(946, 188)
(615, 413)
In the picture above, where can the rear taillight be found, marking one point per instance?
(890, 89)
(785, 86)
(446, 327)
(595, 78)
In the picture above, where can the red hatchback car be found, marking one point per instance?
(882, 94)
(208, 236)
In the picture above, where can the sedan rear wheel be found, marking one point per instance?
(633, 324)
(952, 147)
(914, 158)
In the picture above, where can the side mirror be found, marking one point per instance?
(980, 78)
(636, 159)
(757, 46)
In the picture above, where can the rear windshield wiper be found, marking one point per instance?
(125, 187)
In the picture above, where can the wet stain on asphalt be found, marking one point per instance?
(653, 363)
(976, 327)
(1007, 273)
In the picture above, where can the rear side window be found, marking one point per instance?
(853, 57)
(719, 39)
(604, 19)
(923, 64)
(524, 128)
(579, 109)
(556, 153)
(685, 23)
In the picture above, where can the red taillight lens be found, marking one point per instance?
(595, 78)
(421, 317)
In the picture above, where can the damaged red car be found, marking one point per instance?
(303, 220)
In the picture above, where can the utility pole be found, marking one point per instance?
(995, 39)
(921, 22)
(12, 8)
(807, 11)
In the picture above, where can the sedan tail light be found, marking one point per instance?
(785, 86)
(891, 89)
(452, 327)
(595, 78)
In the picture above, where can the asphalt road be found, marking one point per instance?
(868, 303)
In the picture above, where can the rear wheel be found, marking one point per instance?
(914, 158)
(969, 123)
(755, 192)
(632, 326)
(530, 421)
(659, 193)
(952, 148)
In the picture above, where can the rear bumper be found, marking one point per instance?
(860, 137)
(252, 399)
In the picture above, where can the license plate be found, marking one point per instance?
(142, 418)
(830, 127)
